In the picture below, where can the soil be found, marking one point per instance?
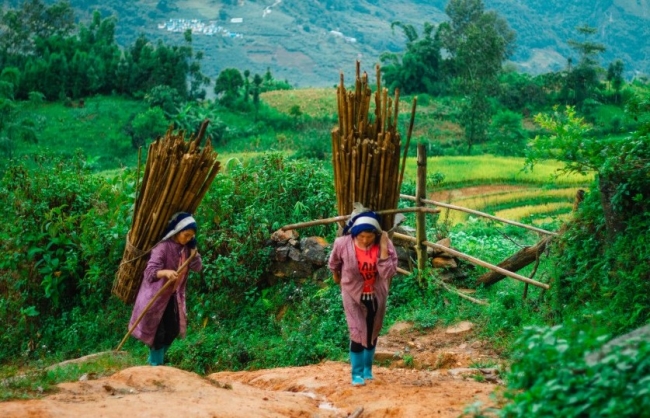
(417, 374)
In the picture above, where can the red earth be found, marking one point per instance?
(418, 374)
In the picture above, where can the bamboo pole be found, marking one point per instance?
(473, 260)
(326, 221)
(408, 140)
(485, 264)
(483, 214)
(420, 220)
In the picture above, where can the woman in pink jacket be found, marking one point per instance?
(363, 261)
(166, 319)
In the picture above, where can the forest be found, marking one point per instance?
(77, 108)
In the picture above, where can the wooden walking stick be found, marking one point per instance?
(153, 299)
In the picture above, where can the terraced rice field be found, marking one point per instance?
(525, 203)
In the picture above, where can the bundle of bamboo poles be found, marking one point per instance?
(366, 149)
(176, 178)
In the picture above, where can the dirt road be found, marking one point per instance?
(424, 375)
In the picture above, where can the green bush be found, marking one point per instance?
(550, 376)
(63, 241)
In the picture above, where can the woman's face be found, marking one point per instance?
(365, 239)
(184, 237)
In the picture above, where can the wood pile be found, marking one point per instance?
(177, 176)
(366, 148)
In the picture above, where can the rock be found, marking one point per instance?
(314, 250)
(291, 269)
(460, 327)
(386, 356)
(294, 254)
(282, 237)
(400, 328)
(627, 343)
(443, 263)
(281, 253)
(434, 252)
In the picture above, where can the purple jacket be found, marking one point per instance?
(164, 256)
(344, 260)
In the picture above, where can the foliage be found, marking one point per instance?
(568, 141)
(227, 86)
(507, 134)
(244, 210)
(60, 60)
(148, 125)
(32, 383)
(550, 376)
(53, 256)
(418, 69)
(478, 43)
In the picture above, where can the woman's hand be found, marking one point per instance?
(167, 274)
(383, 245)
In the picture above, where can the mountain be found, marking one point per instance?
(309, 42)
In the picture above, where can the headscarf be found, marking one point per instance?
(179, 222)
(367, 221)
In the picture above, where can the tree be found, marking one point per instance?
(13, 128)
(34, 20)
(257, 83)
(227, 86)
(148, 126)
(507, 133)
(477, 43)
(583, 79)
(418, 69)
(615, 77)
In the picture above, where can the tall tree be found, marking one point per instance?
(417, 70)
(583, 79)
(20, 27)
(477, 43)
(227, 86)
(615, 77)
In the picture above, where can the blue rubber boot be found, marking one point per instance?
(156, 357)
(356, 359)
(368, 357)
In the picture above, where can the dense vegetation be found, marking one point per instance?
(69, 176)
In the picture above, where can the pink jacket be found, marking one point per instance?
(165, 255)
(344, 260)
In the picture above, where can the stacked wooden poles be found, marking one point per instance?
(366, 149)
(176, 178)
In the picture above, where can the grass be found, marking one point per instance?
(522, 212)
(97, 128)
(35, 382)
(488, 169)
(315, 102)
(513, 205)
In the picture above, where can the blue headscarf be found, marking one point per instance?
(179, 222)
(364, 222)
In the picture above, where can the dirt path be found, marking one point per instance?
(423, 375)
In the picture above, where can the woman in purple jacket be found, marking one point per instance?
(166, 318)
(363, 261)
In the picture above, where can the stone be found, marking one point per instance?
(282, 253)
(443, 263)
(314, 250)
(460, 327)
(283, 237)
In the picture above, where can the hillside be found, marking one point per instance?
(307, 43)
